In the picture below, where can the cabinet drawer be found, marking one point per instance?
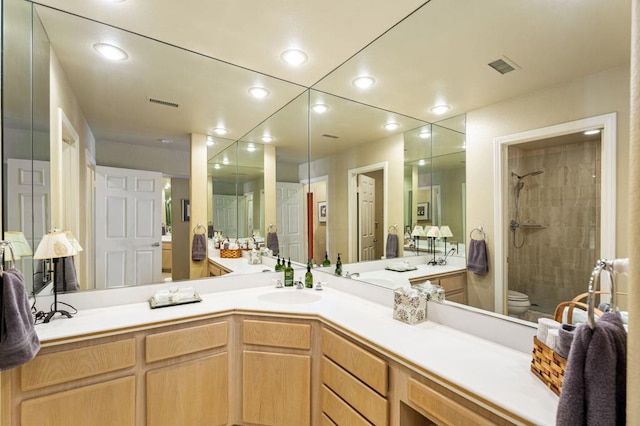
(453, 283)
(440, 408)
(355, 393)
(339, 411)
(457, 296)
(105, 404)
(65, 366)
(276, 334)
(367, 367)
(181, 342)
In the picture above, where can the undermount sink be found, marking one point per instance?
(290, 296)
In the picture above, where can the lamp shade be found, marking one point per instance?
(74, 243)
(445, 231)
(54, 245)
(19, 243)
(434, 232)
(418, 231)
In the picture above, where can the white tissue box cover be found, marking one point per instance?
(410, 309)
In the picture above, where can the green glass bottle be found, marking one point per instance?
(308, 277)
(339, 266)
(326, 261)
(278, 265)
(288, 275)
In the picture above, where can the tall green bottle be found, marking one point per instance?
(326, 261)
(308, 277)
(339, 266)
(288, 275)
(278, 265)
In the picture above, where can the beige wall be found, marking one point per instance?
(390, 150)
(170, 162)
(593, 95)
(180, 249)
(319, 190)
(198, 198)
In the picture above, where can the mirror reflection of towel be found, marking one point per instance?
(199, 247)
(477, 261)
(67, 279)
(272, 243)
(392, 246)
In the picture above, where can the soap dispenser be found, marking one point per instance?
(339, 266)
(278, 267)
(288, 275)
(308, 277)
(326, 261)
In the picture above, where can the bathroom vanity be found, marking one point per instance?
(261, 355)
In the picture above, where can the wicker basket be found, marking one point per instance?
(231, 253)
(548, 365)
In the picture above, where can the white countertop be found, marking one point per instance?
(495, 373)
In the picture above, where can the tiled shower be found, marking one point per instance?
(558, 227)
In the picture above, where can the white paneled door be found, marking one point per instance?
(128, 227)
(290, 220)
(366, 217)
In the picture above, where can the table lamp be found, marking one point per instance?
(445, 232)
(432, 234)
(56, 245)
(418, 231)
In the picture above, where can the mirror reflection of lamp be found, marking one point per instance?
(56, 246)
(432, 234)
(21, 247)
(418, 231)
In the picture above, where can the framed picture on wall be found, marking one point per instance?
(322, 211)
(423, 211)
(186, 210)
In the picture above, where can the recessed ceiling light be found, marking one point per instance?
(110, 51)
(294, 57)
(225, 161)
(259, 92)
(319, 108)
(220, 131)
(364, 82)
(592, 132)
(391, 126)
(424, 134)
(267, 138)
(165, 141)
(440, 109)
(251, 147)
(216, 166)
(210, 141)
(422, 163)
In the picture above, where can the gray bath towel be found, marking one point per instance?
(67, 279)
(19, 342)
(199, 247)
(272, 243)
(477, 261)
(392, 246)
(594, 386)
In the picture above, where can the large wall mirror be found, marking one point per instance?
(72, 118)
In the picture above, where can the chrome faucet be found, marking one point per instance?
(355, 274)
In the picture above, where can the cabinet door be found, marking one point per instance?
(276, 389)
(190, 393)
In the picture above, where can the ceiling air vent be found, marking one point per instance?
(502, 66)
(163, 102)
(326, 135)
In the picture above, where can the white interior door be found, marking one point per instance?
(128, 227)
(366, 217)
(290, 220)
(29, 206)
(225, 215)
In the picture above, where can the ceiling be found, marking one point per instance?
(420, 54)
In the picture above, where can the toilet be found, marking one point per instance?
(517, 303)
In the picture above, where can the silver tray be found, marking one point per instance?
(401, 269)
(154, 304)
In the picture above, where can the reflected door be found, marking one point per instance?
(128, 227)
(290, 220)
(366, 217)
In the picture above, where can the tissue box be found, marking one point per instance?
(410, 309)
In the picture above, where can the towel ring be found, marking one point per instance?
(594, 283)
(393, 228)
(272, 227)
(3, 245)
(199, 226)
(480, 230)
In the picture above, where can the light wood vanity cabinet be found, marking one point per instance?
(276, 372)
(167, 256)
(454, 284)
(217, 270)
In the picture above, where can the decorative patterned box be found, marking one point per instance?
(410, 309)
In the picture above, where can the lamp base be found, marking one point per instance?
(52, 313)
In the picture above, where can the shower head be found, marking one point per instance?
(537, 172)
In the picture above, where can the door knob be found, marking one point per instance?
(155, 245)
